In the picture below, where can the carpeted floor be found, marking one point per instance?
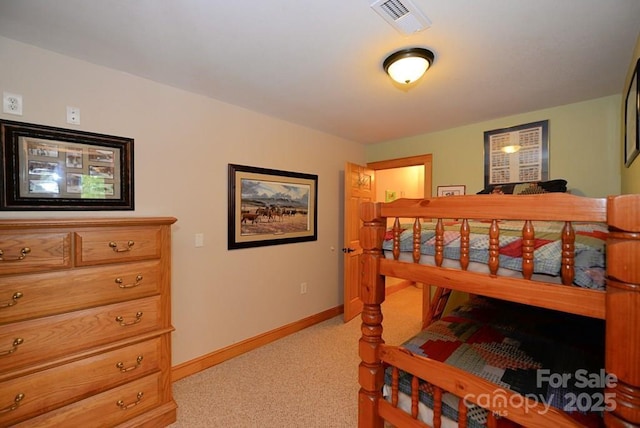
(307, 379)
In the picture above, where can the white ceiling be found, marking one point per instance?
(318, 63)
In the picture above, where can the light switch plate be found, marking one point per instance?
(73, 115)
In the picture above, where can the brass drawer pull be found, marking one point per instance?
(120, 281)
(14, 300)
(121, 321)
(123, 406)
(16, 342)
(14, 405)
(120, 365)
(114, 246)
(23, 254)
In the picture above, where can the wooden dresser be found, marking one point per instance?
(85, 322)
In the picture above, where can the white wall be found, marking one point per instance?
(183, 144)
(405, 182)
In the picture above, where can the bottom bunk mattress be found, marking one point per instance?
(554, 358)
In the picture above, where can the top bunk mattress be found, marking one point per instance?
(589, 256)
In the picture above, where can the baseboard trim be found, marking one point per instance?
(201, 363)
(397, 287)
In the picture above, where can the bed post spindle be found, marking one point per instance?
(462, 413)
(417, 229)
(492, 421)
(465, 232)
(394, 386)
(622, 347)
(396, 238)
(528, 246)
(371, 371)
(568, 253)
(439, 244)
(415, 396)
(494, 248)
(437, 407)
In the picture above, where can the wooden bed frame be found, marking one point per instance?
(619, 305)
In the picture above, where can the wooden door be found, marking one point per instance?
(426, 161)
(359, 186)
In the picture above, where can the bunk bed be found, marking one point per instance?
(412, 385)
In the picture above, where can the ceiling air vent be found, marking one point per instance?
(403, 15)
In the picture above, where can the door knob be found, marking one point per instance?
(348, 250)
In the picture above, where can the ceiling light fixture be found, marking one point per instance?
(408, 65)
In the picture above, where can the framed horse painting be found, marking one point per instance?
(271, 207)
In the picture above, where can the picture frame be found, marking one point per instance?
(517, 154)
(271, 207)
(453, 190)
(390, 195)
(50, 168)
(632, 118)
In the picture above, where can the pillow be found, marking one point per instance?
(529, 188)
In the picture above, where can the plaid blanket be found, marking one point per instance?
(539, 353)
(589, 247)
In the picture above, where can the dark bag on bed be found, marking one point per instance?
(534, 187)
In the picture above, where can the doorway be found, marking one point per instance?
(353, 189)
(395, 183)
(424, 162)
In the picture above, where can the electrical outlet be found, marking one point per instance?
(12, 103)
(303, 288)
(73, 115)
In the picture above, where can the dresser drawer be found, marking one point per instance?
(34, 341)
(29, 296)
(34, 252)
(106, 409)
(117, 244)
(47, 390)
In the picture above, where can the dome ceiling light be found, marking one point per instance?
(408, 65)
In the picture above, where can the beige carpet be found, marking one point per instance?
(307, 379)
